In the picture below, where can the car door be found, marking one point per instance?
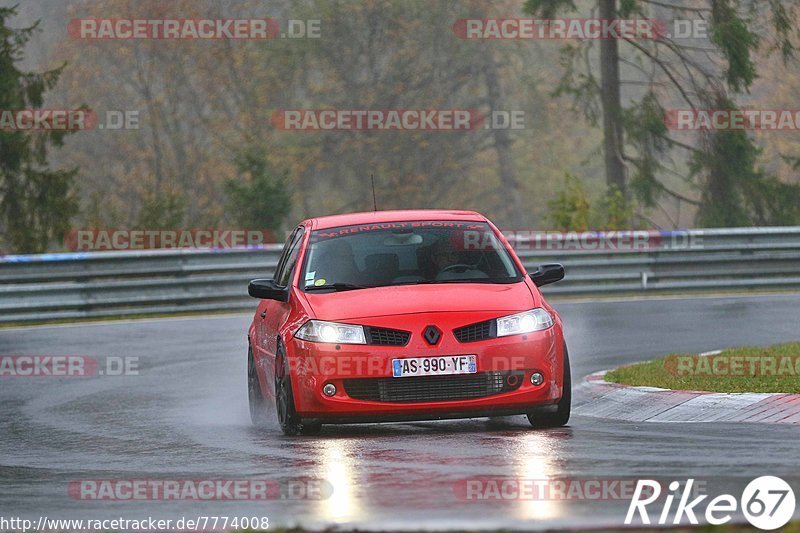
(272, 313)
(260, 340)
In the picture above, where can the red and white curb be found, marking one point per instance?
(602, 399)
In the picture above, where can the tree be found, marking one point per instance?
(502, 139)
(162, 209)
(572, 210)
(201, 101)
(569, 211)
(36, 203)
(613, 147)
(259, 199)
(667, 72)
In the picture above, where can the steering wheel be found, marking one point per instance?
(461, 266)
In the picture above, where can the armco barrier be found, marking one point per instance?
(110, 284)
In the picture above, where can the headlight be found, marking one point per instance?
(533, 320)
(331, 332)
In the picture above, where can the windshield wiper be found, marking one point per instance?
(336, 287)
(466, 280)
(457, 280)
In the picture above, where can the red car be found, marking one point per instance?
(404, 315)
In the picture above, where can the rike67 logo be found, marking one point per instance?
(767, 502)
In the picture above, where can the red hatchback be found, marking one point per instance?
(404, 315)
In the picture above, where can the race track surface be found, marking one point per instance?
(184, 416)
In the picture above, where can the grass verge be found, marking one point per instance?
(749, 369)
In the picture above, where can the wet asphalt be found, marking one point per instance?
(184, 416)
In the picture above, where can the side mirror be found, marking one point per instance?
(548, 273)
(267, 290)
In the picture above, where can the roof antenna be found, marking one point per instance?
(374, 201)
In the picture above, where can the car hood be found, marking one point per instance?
(409, 299)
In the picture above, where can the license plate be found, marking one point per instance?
(433, 366)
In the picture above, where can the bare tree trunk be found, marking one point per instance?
(156, 140)
(502, 145)
(612, 108)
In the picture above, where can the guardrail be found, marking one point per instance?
(111, 284)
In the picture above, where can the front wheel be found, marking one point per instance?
(560, 416)
(290, 422)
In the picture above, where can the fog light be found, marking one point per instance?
(537, 378)
(329, 389)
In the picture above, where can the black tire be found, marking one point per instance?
(258, 404)
(290, 422)
(560, 416)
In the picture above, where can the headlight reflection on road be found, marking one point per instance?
(338, 467)
(536, 456)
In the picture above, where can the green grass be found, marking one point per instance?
(749, 369)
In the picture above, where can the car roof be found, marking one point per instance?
(377, 217)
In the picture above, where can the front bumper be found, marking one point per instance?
(316, 364)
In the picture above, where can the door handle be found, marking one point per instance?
(263, 314)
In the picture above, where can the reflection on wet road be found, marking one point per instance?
(184, 417)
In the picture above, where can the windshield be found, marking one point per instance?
(400, 253)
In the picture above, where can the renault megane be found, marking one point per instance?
(404, 315)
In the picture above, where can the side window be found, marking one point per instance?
(285, 270)
(284, 254)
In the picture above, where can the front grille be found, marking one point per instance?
(431, 388)
(387, 337)
(476, 332)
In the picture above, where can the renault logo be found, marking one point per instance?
(432, 335)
